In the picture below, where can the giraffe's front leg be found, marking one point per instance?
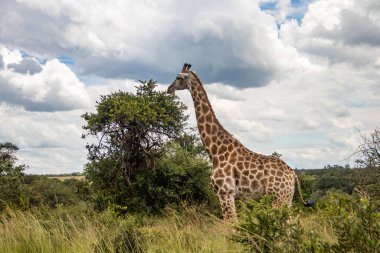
(227, 203)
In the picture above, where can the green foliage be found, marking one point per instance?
(344, 179)
(308, 187)
(134, 165)
(82, 190)
(78, 229)
(131, 128)
(107, 182)
(180, 175)
(50, 192)
(339, 178)
(261, 226)
(355, 220)
(10, 175)
(124, 238)
(277, 155)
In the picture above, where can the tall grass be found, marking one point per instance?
(339, 223)
(190, 231)
(65, 230)
(48, 232)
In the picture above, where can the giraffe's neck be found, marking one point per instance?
(210, 130)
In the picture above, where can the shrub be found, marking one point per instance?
(263, 228)
(261, 225)
(50, 192)
(355, 220)
(178, 177)
(121, 233)
(81, 187)
(10, 175)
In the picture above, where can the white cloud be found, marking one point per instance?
(49, 142)
(338, 31)
(318, 77)
(311, 117)
(126, 38)
(49, 87)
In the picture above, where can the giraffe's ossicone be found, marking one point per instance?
(237, 171)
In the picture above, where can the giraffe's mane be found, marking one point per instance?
(195, 75)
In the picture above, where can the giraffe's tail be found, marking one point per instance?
(310, 202)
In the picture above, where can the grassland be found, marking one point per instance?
(60, 216)
(64, 230)
(188, 229)
(63, 178)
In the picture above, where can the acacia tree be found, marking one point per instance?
(130, 130)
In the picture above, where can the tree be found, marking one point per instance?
(369, 150)
(277, 155)
(10, 174)
(131, 130)
(182, 175)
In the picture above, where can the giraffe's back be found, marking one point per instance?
(253, 175)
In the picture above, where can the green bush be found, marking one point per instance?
(81, 187)
(121, 233)
(263, 228)
(178, 177)
(355, 220)
(50, 192)
(10, 175)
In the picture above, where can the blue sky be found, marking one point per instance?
(296, 77)
(65, 59)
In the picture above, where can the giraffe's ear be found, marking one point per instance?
(186, 67)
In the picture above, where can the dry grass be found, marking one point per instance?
(63, 178)
(73, 231)
(30, 232)
(313, 223)
(190, 232)
(80, 230)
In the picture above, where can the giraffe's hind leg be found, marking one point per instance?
(227, 203)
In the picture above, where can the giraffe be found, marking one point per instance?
(237, 171)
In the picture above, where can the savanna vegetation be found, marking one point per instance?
(146, 188)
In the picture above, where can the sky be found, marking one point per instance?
(299, 77)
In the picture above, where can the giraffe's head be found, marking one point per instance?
(183, 79)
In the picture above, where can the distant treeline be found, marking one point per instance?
(73, 174)
(345, 179)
